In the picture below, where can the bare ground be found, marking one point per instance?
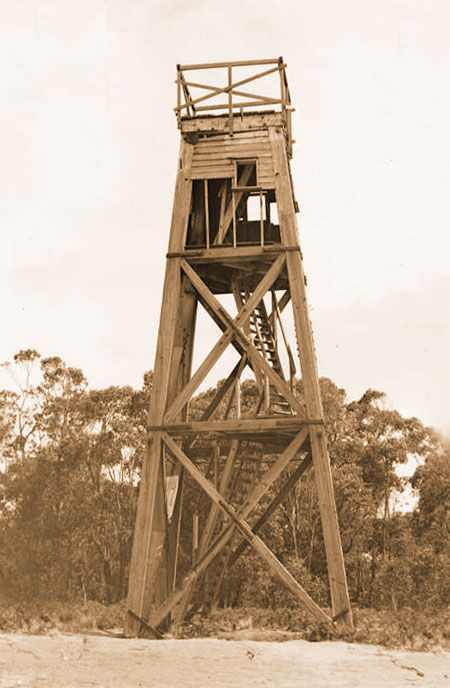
(90, 661)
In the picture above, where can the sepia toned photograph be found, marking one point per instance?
(225, 297)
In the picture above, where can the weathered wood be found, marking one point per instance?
(230, 211)
(224, 340)
(287, 486)
(213, 172)
(182, 199)
(231, 149)
(249, 122)
(211, 520)
(206, 415)
(224, 482)
(246, 329)
(173, 530)
(151, 522)
(142, 622)
(241, 136)
(235, 63)
(189, 105)
(205, 191)
(247, 189)
(215, 157)
(256, 96)
(231, 88)
(277, 318)
(211, 158)
(322, 471)
(213, 148)
(195, 533)
(159, 570)
(231, 146)
(250, 502)
(241, 253)
(218, 91)
(236, 106)
(255, 357)
(229, 106)
(183, 344)
(273, 506)
(180, 372)
(255, 425)
(178, 108)
(223, 389)
(275, 565)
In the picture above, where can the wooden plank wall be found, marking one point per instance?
(214, 156)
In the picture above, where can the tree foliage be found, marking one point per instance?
(71, 460)
(69, 473)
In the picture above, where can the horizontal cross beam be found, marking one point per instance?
(236, 63)
(255, 425)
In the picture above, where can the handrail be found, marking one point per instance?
(189, 106)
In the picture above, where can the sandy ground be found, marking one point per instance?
(86, 661)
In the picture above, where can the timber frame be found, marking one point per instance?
(233, 236)
(236, 99)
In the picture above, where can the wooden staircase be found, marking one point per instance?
(262, 333)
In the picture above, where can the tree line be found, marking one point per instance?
(71, 458)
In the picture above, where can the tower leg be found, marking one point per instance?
(322, 471)
(150, 580)
(151, 521)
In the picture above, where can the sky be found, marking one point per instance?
(88, 156)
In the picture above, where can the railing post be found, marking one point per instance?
(233, 198)
(230, 99)
(261, 218)
(282, 87)
(205, 188)
(178, 96)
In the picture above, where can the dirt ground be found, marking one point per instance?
(92, 661)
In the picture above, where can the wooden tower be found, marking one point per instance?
(234, 250)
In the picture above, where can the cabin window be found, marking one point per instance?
(255, 208)
(246, 173)
(227, 213)
(210, 199)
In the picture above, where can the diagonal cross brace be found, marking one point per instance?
(225, 387)
(274, 504)
(256, 358)
(212, 519)
(228, 87)
(250, 502)
(239, 522)
(227, 217)
(230, 332)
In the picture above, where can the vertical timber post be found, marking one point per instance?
(305, 345)
(151, 529)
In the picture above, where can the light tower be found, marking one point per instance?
(233, 238)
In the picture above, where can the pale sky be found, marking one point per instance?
(88, 155)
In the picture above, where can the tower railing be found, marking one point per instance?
(237, 101)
